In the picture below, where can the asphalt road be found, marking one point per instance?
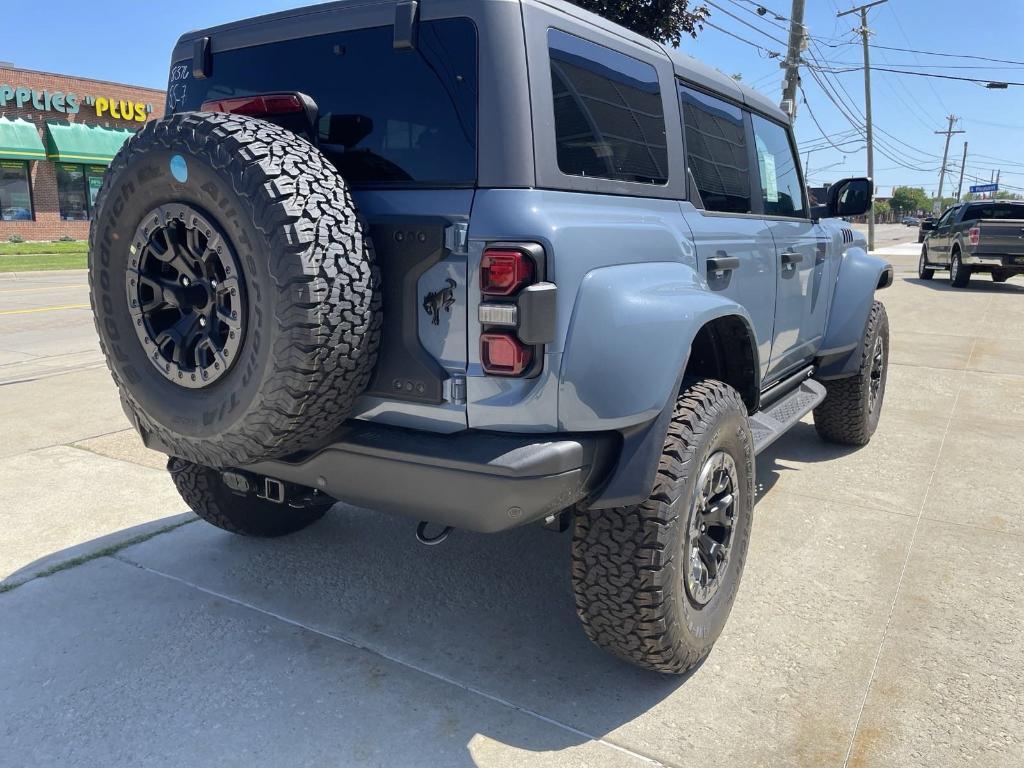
(879, 622)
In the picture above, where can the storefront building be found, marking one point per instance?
(58, 134)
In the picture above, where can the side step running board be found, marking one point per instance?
(770, 424)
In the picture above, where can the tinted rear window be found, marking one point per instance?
(716, 150)
(994, 211)
(609, 122)
(386, 116)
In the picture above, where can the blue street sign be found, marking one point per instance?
(985, 188)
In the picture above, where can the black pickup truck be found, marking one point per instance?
(981, 236)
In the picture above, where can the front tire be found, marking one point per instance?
(850, 411)
(206, 494)
(959, 275)
(655, 582)
(924, 272)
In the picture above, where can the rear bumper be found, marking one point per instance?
(478, 481)
(994, 260)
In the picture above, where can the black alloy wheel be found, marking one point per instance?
(186, 295)
(710, 527)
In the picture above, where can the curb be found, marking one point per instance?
(39, 272)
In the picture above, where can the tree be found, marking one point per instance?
(909, 200)
(882, 209)
(662, 20)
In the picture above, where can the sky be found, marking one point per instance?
(131, 42)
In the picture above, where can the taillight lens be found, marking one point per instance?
(504, 271)
(502, 354)
(975, 234)
(266, 104)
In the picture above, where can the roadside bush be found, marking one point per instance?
(16, 239)
(65, 239)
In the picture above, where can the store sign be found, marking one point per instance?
(71, 103)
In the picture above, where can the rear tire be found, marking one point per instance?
(924, 272)
(644, 589)
(959, 275)
(204, 491)
(850, 411)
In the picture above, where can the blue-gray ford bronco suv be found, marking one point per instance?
(485, 263)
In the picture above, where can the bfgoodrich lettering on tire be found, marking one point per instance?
(655, 583)
(234, 291)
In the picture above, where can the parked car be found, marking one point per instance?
(15, 213)
(562, 318)
(924, 226)
(911, 221)
(983, 236)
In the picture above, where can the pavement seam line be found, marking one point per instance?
(400, 662)
(906, 562)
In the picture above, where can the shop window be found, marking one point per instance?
(94, 180)
(72, 193)
(15, 193)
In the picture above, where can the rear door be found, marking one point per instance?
(400, 126)
(804, 270)
(734, 247)
(941, 239)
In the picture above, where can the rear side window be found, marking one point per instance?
(386, 116)
(716, 151)
(609, 121)
(781, 190)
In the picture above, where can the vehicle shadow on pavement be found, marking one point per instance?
(488, 618)
(976, 285)
(800, 444)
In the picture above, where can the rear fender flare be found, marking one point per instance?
(629, 341)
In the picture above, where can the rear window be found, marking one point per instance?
(609, 121)
(995, 211)
(716, 151)
(386, 117)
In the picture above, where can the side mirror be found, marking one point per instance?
(850, 197)
(927, 225)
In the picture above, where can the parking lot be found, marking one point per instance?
(879, 622)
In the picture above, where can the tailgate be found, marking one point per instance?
(1001, 237)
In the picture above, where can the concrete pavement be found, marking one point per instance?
(879, 622)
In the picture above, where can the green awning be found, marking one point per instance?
(19, 140)
(79, 143)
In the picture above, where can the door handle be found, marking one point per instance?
(723, 264)
(791, 257)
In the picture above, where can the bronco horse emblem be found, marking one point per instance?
(434, 302)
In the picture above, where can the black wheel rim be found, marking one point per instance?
(186, 295)
(876, 375)
(712, 520)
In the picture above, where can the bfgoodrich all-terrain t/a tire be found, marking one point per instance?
(850, 411)
(654, 583)
(234, 291)
(206, 494)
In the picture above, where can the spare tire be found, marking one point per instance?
(234, 289)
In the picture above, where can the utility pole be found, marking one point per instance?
(864, 32)
(963, 165)
(792, 61)
(948, 133)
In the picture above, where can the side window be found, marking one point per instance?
(716, 151)
(947, 217)
(609, 122)
(781, 190)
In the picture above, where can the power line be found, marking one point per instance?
(947, 55)
(983, 81)
(771, 54)
(745, 23)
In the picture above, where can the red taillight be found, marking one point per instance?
(267, 104)
(503, 272)
(975, 234)
(502, 354)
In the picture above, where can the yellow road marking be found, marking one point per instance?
(42, 309)
(47, 288)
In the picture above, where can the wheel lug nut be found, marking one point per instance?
(184, 281)
(202, 321)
